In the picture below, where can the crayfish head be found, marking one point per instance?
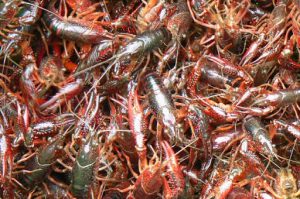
(175, 134)
(173, 129)
(285, 183)
(52, 151)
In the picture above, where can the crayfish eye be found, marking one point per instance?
(287, 185)
(219, 34)
(179, 128)
(286, 53)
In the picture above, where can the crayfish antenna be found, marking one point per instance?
(96, 65)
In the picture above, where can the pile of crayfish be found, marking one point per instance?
(149, 99)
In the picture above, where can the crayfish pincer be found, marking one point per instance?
(161, 103)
